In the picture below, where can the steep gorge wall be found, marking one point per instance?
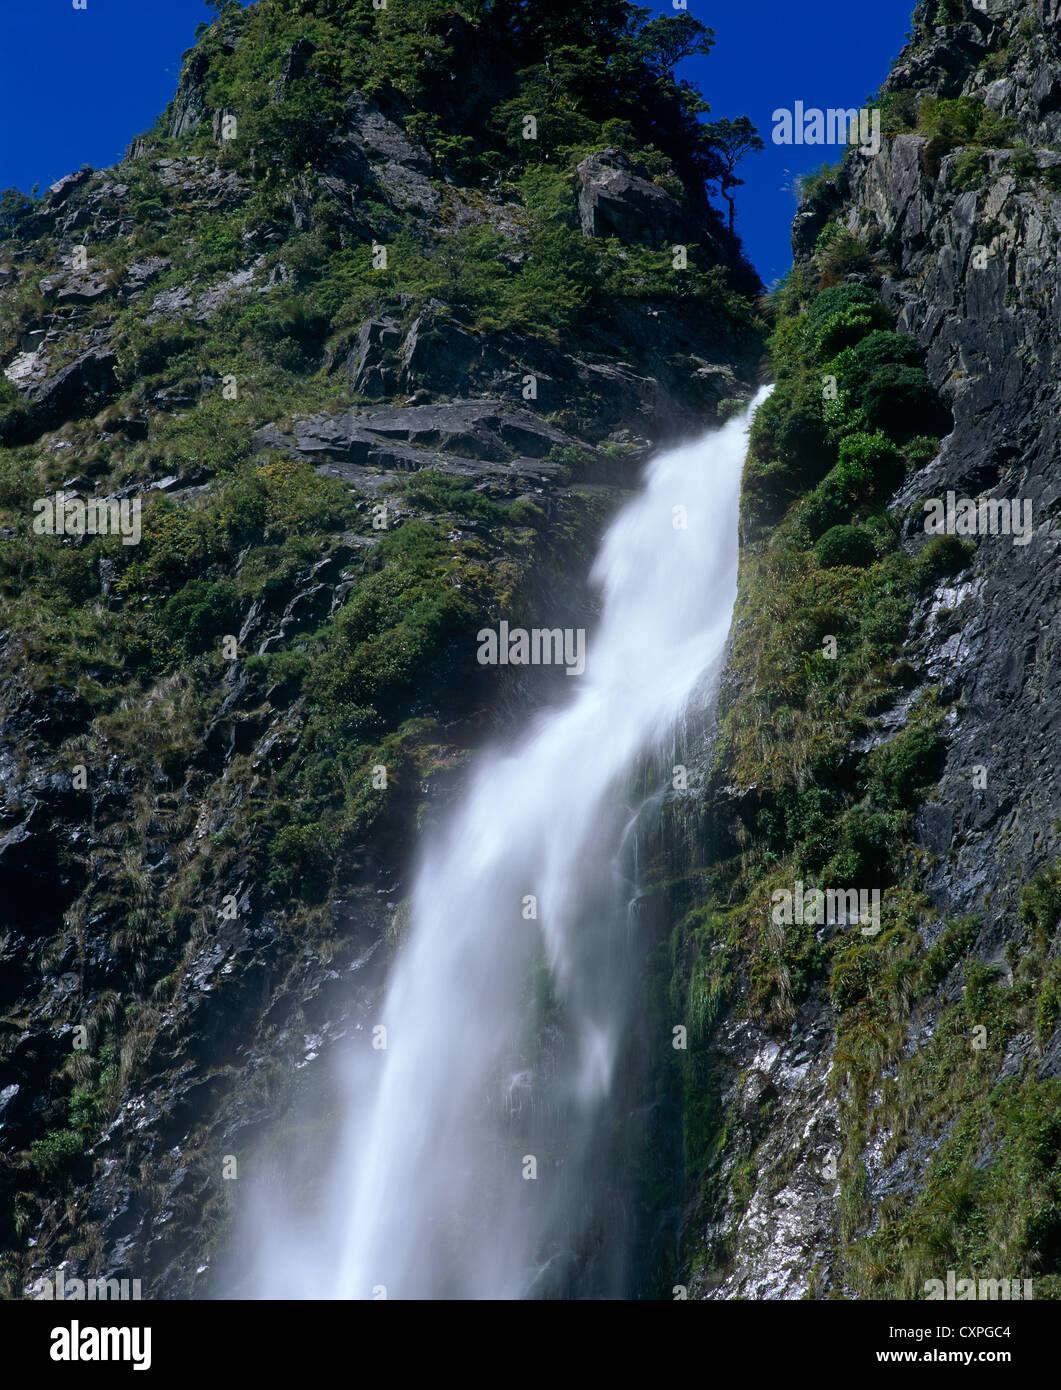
(881, 1111)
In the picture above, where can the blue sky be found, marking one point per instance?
(773, 53)
(77, 85)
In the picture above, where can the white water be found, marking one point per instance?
(504, 1034)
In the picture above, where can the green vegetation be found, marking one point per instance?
(825, 599)
(353, 645)
(823, 609)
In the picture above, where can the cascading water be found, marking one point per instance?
(474, 1162)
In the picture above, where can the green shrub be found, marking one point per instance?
(855, 972)
(18, 481)
(903, 401)
(898, 112)
(201, 612)
(790, 430)
(846, 254)
(856, 365)
(817, 185)
(849, 326)
(994, 129)
(920, 450)
(950, 122)
(871, 460)
(827, 506)
(56, 1150)
(949, 12)
(441, 492)
(942, 558)
(299, 854)
(767, 492)
(835, 298)
(953, 944)
(870, 468)
(845, 545)
(863, 851)
(903, 769)
(1023, 163)
(394, 625)
(969, 170)
(1040, 902)
(954, 119)
(1048, 1005)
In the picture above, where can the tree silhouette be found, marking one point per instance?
(731, 140)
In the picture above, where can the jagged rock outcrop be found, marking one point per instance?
(616, 198)
(190, 105)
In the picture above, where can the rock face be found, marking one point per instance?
(992, 350)
(346, 467)
(86, 383)
(971, 269)
(488, 430)
(616, 198)
(190, 106)
(398, 165)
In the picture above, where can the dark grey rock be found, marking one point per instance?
(616, 199)
(75, 289)
(398, 164)
(189, 109)
(61, 190)
(369, 365)
(295, 63)
(76, 390)
(491, 431)
(141, 273)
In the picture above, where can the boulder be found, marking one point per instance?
(61, 190)
(616, 198)
(140, 273)
(75, 289)
(369, 364)
(439, 354)
(76, 390)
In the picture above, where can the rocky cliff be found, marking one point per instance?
(367, 359)
(868, 1109)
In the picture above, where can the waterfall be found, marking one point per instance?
(474, 1162)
